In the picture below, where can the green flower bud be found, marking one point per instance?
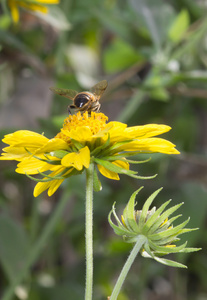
(155, 226)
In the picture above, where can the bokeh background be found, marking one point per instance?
(154, 55)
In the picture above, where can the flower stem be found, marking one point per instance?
(140, 241)
(37, 248)
(89, 232)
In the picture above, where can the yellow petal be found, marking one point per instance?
(116, 132)
(53, 145)
(14, 11)
(152, 145)
(25, 138)
(107, 173)
(146, 131)
(104, 132)
(14, 153)
(51, 185)
(49, 1)
(54, 186)
(80, 134)
(40, 187)
(32, 6)
(77, 159)
(84, 155)
(33, 165)
(122, 164)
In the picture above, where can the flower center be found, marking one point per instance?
(95, 121)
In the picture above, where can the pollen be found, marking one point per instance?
(94, 121)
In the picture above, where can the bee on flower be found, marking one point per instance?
(84, 139)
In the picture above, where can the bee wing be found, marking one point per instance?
(64, 92)
(99, 88)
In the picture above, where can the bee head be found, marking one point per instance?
(82, 98)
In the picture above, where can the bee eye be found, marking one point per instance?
(81, 99)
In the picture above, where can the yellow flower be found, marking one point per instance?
(84, 139)
(33, 5)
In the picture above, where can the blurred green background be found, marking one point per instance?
(154, 55)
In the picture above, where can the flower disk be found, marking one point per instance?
(84, 139)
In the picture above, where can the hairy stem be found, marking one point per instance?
(89, 233)
(140, 241)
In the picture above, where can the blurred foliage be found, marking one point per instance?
(154, 56)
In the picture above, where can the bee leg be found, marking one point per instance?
(69, 110)
(96, 107)
(70, 107)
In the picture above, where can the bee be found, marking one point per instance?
(84, 101)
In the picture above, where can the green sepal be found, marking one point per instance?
(97, 187)
(101, 148)
(120, 229)
(49, 178)
(119, 144)
(77, 144)
(188, 250)
(60, 153)
(138, 161)
(163, 261)
(48, 161)
(169, 262)
(163, 217)
(37, 179)
(154, 217)
(184, 230)
(113, 168)
(174, 231)
(145, 208)
(129, 213)
(120, 157)
(166, 250)
(167, 224)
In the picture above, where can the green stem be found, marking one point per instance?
(37, 248)
(4, 7)
(89, 232)
(141, 240)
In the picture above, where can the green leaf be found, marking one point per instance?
(179, 26)
(14, 247)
